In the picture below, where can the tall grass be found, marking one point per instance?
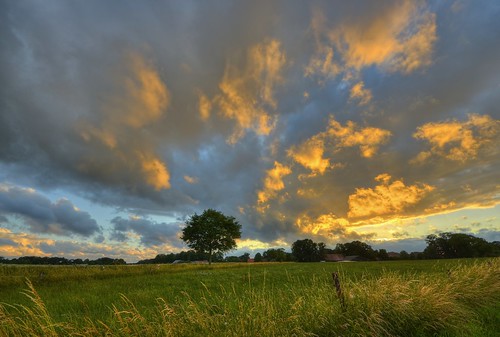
(391, 304)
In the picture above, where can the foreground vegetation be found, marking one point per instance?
(418, 298)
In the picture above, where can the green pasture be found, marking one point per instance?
(394, 298)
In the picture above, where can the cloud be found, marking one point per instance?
(43, 216)
(248, 94)
(330, 228)
(368, 139)
(141, 98)
(389, 198)
(361, 94)
(125, 106)
(399, 37)
(150, 233)
(191, 180)
(458, 141)
(310, 154)
(273, 182)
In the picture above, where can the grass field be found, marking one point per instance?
(407, 298)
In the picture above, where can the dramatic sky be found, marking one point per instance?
(331, 120)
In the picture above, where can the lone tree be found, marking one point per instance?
(211, 232)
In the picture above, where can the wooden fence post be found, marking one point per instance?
(340, 295)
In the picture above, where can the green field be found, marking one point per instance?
(397, 298)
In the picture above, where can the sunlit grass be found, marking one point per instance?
(382, 299)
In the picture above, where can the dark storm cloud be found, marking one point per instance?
(151, 233)
(103, 99)
(43, 216)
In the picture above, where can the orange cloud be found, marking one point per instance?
(387, 199)
(458, 141)
(310, 154)
(321, 225)
(368, 139)
(401, 38)
(146, 96)
(273, 182)
(155, 172)
(248, 93)
(204, 106)
(361, 94)
(141, 99)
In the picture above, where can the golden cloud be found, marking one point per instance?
(401, 38)
(247, 94)
(368, 139)
(273, 182)
(146, 95)
(458, 141)
(387, 199)
(141, 99)
(310, 154)
(155, 172)
(360, 93)
(204, 106)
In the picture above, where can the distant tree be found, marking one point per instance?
(403, 255)
(244, 257)
(307, 250)
(258, 257)
(356, 248)
(211, 232)
(456, 245)
(382, 254)
(232, 259)
(275, 255)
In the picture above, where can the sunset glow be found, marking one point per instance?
(335, 121)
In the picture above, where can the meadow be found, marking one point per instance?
(393, 298)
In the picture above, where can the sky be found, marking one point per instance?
(336, 121)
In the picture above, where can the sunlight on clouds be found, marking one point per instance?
(387, 199)
(148, 95)
(141, 100)
(191, 180)
(331, 228)
(401, 38)
(248, 93)
(273, 182)
(323, 224)
(458, 141)
(310, 154)
(204, 106)
(322, 62)
(368, 139)
(360, 94)
(155, 173)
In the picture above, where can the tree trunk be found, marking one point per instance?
(210, 257)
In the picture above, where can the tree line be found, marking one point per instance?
(61, 261)
(211, 234)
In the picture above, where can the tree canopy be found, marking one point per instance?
(211, 232)
(457, 245)
(356, 248)
(307, 250)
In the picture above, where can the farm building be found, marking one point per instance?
(334, 257)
